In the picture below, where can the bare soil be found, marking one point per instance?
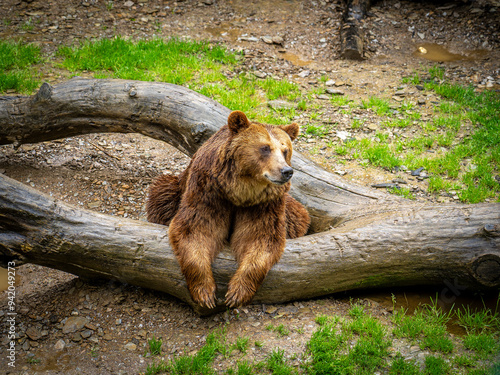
(110, 173)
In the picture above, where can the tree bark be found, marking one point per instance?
(351, 33)
(362, 239)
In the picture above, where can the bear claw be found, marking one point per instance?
(236, 297)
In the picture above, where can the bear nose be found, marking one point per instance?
(287, 173)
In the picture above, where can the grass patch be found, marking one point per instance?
(331, 350)
(16, 66)
(427, 327)
(155, 346)
(379, 105)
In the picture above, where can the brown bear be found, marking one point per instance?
(233, 191)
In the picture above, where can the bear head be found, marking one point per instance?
(262, 152)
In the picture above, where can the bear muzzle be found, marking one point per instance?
(286, 174)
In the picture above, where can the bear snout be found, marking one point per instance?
(286, 173)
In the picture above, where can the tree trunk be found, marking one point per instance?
(362, 238)
(351, 33)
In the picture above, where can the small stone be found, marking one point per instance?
(271, 309)
(421, 101)
(277, 40)
(76, 337)
(33, 333)
(59, 345)
(304, 73)
(342, 134)
(386, 185)
(323, 97)
(399, 181)
(372, 126)
(91, 326)
(94, 204)
(334, 91)
(249, 39)
(130, 346)
(340, 172)
(330, 82)
(74, 323)
(421, 35)
(107, 337)
(417, 172)
(267, 39)
(128, 4)
(87, 333)
(280, 104)
(259, 74)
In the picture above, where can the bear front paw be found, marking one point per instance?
(238, 295)
(204, 296)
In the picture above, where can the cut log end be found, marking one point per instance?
(486, 270)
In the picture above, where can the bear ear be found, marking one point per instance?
(237, 121)
(292, 130)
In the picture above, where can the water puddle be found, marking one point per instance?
(224, 30)
(439, 53)
(3, 279)
(294, 59)
(447, 300)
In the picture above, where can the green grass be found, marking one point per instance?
(155, 346)
(16, 66)
(358, 343)
(379, 105)
(427, 327)
(174, 61)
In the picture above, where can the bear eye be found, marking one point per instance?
(265, 150)
(285, 153)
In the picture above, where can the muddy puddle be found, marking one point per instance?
(3, 279)
(294, 59)
(225, 30)
(451, 297)
(439, 53)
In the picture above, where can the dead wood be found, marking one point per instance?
(373, 240)
(351, 31)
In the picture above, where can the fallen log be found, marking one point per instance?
(361, 239)
(351, 32)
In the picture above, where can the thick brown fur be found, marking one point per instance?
(234, 190)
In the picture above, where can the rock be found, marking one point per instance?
(128, 4)
(271, 309)
(74, 323)
(334, 91)
(249, 39)
(323, 97)
(87, 333)
(372, 127)
(267, 39)
(76, 337)
(280, 104)
(130, 346)
(259, 74)
(399, 181)
(386, 185)
(208, 2)
(59, 345)
(277, 40)
(330, 82)
(417, 172)
(342, 134)
(340, 172)
(304, 73)
(33, 333)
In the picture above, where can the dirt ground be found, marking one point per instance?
(67, 326)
